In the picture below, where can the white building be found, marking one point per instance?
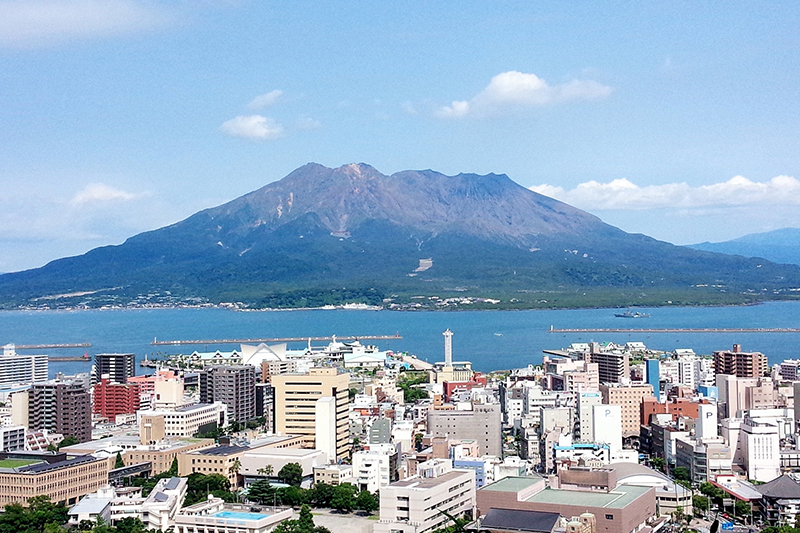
(215, 516)
(17, 368)
(12, 438)
(163, 503)
(372, 469)
(186, 421)
(413, 505)
(585, 415)
(607, 426)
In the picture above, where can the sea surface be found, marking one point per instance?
(492, 340)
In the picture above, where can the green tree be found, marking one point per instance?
(69, 440)
(742, 508)
(291, 474)
(658, 463)
(700, 503)
(293, 495)
(681, 473)
(321, 495)
(262, 492)
(344, 498)
(119, 463)
(130, 525)
(173, 468)
(367, 502)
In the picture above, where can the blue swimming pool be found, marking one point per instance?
(234, 515)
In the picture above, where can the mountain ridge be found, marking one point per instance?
(325, 234)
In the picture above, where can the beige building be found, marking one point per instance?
(415, 504)
(333, 474)
(159, 454)
(62, 478)
(629, 398)
(296, 407)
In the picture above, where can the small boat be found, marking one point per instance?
(631, 314)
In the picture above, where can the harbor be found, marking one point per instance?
(673, 330)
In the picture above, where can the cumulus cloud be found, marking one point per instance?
(514, 90)
(36, 23)
(253, 127)
(265, 100)
(100, 192)
(622, 194)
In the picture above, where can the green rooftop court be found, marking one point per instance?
(618, 498)
(16, 463)
(513, 483)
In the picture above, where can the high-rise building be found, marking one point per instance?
(482, 423)
(584, 432)
(296, 398)
(653, 375)
(18, 368)
(61, 406)
(629, 398)
(118, 366)
(112, 399)
(740, 364)
(612, 366)
(233, 385)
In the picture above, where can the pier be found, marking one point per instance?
(51, 346)
(157, 342)
(673, 330)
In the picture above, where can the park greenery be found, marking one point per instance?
(344, 498)
(410, 382)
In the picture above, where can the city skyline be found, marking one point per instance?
(127, 115)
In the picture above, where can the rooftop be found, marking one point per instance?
(15, 463)
(424, 483)
(619, 498)
(518, 520)
(513, 483)
(222, 450)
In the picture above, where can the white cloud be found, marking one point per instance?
(513, 90)
(100, 192)
(265, 100)
(36, 23)
(252, 127)
(622, 194)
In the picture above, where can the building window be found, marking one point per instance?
(609, 517)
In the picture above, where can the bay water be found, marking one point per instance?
(492, 340)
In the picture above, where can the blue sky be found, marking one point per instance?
(675, 119)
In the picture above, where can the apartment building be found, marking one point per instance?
(18, 368)
(118, 366)
(612, 366)
(740, 364)
(112, 399)
(233, 385)
(61, 406)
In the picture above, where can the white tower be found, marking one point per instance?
(448, 347)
